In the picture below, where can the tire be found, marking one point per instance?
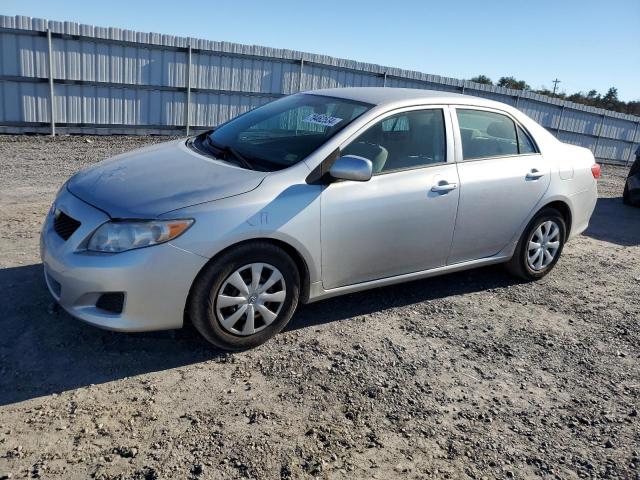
(520, 264)
(216, 321)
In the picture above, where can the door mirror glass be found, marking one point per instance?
(352, 167)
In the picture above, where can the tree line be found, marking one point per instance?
(608, 101)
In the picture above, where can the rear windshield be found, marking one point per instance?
(282, 133)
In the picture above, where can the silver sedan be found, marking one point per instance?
(311, 196)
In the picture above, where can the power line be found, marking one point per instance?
(555, 85)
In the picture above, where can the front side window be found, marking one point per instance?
(486, 134)
(284, 132)
(406, 140)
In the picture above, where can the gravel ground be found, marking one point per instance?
(468, 375)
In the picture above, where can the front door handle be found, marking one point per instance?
(444, 187)
(534, 174)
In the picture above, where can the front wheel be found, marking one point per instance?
(245, 297)
(540, 246)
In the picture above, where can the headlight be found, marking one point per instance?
(126, 235)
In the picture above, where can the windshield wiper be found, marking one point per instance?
(241, 158)
(228, 149)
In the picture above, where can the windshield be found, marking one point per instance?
(281, 133)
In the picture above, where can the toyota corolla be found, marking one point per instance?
(311, 196)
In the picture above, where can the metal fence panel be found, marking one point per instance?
(110, 80)
(577, 139)
(547, 115)
(612, 149)
(618, 129)
(581, 122)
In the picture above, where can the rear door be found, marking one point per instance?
(502, 178)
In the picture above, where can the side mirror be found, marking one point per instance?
(352, 167)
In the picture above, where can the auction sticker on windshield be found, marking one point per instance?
(322, 119)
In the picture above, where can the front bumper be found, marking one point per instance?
(155, 280)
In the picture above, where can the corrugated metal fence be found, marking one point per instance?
(109, 80)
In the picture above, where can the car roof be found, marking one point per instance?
(388, 98)
(389, 95)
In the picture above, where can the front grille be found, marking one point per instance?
(111, 302)
(64, 225)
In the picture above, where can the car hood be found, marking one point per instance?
(154, 180)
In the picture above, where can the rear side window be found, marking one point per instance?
(486, 134)
(525, 145)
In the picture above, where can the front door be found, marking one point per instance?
(401, 221)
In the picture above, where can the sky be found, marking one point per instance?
(587, 44)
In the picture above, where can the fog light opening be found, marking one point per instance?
(112, 302)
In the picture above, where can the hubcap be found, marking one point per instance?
(543, 245)
(250, 299)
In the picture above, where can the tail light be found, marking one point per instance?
(596, 171)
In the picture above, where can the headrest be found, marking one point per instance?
(376, 153)
(466, 134)
(501, 130)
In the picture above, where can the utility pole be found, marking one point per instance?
(555, 86)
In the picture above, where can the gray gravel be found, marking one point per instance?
(468, 375)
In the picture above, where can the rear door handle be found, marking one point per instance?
(444, 187)
(534, 174)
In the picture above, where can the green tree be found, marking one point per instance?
(610, 100)
(591, 94)
(578, 97)
(633, 107)
(511, 82)
(483, 79)
(592, 97)
(611, 95)
(544, 91)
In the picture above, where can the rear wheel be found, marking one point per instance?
(540, 246)
(246, 296)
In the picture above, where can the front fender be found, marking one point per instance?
(291, 215)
